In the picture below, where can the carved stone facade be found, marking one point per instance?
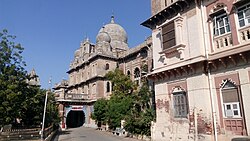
(201, 69)
(87, 81)
(33, 79)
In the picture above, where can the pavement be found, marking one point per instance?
(89, 134)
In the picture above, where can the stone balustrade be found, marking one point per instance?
(222, 41)
(76, 96)
(244, 34)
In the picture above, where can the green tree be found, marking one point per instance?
(128, 102)
(12, 79)
(32, 106)
(18, 99)
(52, 115)
(100, 111)
(138, 121)
(121, 100)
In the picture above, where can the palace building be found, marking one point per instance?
(201, 69)
(87, 81)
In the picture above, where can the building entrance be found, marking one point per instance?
(75, 119)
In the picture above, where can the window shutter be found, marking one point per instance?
(168, 35)
(230, 95)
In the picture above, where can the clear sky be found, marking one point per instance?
(51, 30)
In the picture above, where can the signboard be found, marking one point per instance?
(77, 108)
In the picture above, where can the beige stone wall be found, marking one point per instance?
(159, 5)
(198, 94)
(155, 6)
(189, 32)
(245, 89)
(168, 128)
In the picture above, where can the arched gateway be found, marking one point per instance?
(75, 117)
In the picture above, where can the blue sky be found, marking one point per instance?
(51, 30)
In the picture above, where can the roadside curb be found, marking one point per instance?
(52, 136)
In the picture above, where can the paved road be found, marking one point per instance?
(88, 134)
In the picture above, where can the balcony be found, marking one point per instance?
(76, 96)
(245, 34)
(222, 41)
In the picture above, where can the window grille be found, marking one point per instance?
(180, 105)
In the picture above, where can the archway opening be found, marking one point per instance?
(75, 119)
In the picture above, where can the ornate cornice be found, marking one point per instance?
(167, 13)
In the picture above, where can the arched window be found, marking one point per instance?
(180, 103)
(108, 87)
(107, 66)
(221, 24)
(93, 69)
(144, 53)
(137, 73)
(94, 89)
(230, 99)
(128, 73)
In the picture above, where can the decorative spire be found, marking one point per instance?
(87, 39)
(102, 29)
(33, 73)
(112, 19)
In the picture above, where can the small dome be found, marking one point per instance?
(103, 36)
(116, 33)
(77, 53)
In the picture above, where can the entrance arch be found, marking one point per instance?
(75, 119)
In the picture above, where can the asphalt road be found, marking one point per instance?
(89, 134)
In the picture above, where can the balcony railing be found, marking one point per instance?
(223, 41)
(245, 34)
(76, 96)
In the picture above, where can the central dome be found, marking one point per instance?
(117, 34)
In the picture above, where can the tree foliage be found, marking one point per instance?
(18, 100)
(121, 100)
(138, 121)
(12, 79)
(100, 111)
(128, 102)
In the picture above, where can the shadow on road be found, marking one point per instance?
(58, 133)
(64, 132)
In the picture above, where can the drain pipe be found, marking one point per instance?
(209, 74)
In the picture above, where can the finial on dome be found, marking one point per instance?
(112, 19)
(87, 39)
(102, 29)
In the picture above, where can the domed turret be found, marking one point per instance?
(77, 53)
(103, 36)
(116, 33)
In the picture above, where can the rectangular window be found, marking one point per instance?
(168, 35)
(232, 110)
(221, 25)
(244, 15)
(180, 105)
(231, 103)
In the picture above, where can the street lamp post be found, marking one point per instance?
(44, 113)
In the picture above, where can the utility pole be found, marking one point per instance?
(44, 110)
(44, 113)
